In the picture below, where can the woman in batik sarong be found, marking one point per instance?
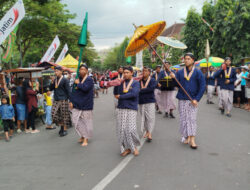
(147, 103)
(194, 83)
(81, 103)
(127, 94)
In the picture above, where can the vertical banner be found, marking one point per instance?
(11, 20)
(139, 61)
(51, 51)
(62, 54)
(11, 42)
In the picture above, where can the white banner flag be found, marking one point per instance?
(139, 61)
(52, 50)
(63, 53)
(11, 19)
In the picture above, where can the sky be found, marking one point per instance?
(110, 21)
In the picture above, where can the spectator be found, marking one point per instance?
(237, 87)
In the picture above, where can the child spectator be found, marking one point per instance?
(48, 98)
(8, 116)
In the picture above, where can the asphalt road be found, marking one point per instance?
(47, 161)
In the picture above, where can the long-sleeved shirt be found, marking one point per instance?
(62, 92)
(128, 100)
(147, 95)
(7, 111)
(156, 78)
(195, 87)
(167, 84)
(82, 98)
(232, 78)
(210, 80)
(31, 96)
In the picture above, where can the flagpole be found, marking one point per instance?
(79, 62)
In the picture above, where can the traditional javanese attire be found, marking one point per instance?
(119, 76)
(219, 81)
(82, 99)
(60, 107)
(147, 104)
(167, 95)
(227, 89)
(210, 81)
(194, 83)
(126, 114)
(157, 90)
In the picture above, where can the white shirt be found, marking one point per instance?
(238, 88)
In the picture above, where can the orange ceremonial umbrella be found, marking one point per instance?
(143, 37)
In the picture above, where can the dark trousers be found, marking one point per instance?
(31, 118)
(8, 124)
(243, 95)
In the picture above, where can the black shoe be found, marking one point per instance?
(149, 140)
(228, 115)
(172, 116)
(222, 111)
(159, 112)
(61, 131)
(211, 102)
(193, 147)
(50, 128)
(64, 133)
(207, 101)
(166, 114)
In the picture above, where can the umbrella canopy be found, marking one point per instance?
(176, 67)
(212, 61)
(136, 68)
(69, 62)
(171, 42)
(142, 36)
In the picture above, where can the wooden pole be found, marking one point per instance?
(168, 70)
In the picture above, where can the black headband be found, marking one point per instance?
(190, 55)
(58, 68)
(128, 68)
(228, 58)
(83, 65)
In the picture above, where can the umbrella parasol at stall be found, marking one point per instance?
(143, 37)
(212, 61)
(172, 42)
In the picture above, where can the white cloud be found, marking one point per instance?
(111, 20)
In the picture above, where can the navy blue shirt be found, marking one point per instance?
(195, 86)
(232, 79)
(128, 100)
(154, 76)
(166, 84)
(63, 90)
(210, 80)
(82, 97)
(147, 95)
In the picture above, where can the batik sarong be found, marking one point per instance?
(210, 92)
(167, 101)
(83, 122)
(60, 113)
(126, 129)
(147, 112)
(227, 99)
(188, 114)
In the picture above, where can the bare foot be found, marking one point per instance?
(126, 152)
(85, 142)
(81, 140)
(136, 152)
(146, 135)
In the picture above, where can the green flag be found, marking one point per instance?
(129, 59)
(11, 42)
(82, 41)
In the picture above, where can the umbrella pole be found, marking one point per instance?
(169, 70)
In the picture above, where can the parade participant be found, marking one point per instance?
(237, 87)
(210, 80)
(120, 78)
(60, 108)
(32, 88)
(218, 81)
(157, 91)
(167, 87)
(194, 83)
(147, 103)
(127, 94)
(81, 103)
(227, 86)
(8, 116)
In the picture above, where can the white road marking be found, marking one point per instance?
(115, 172)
